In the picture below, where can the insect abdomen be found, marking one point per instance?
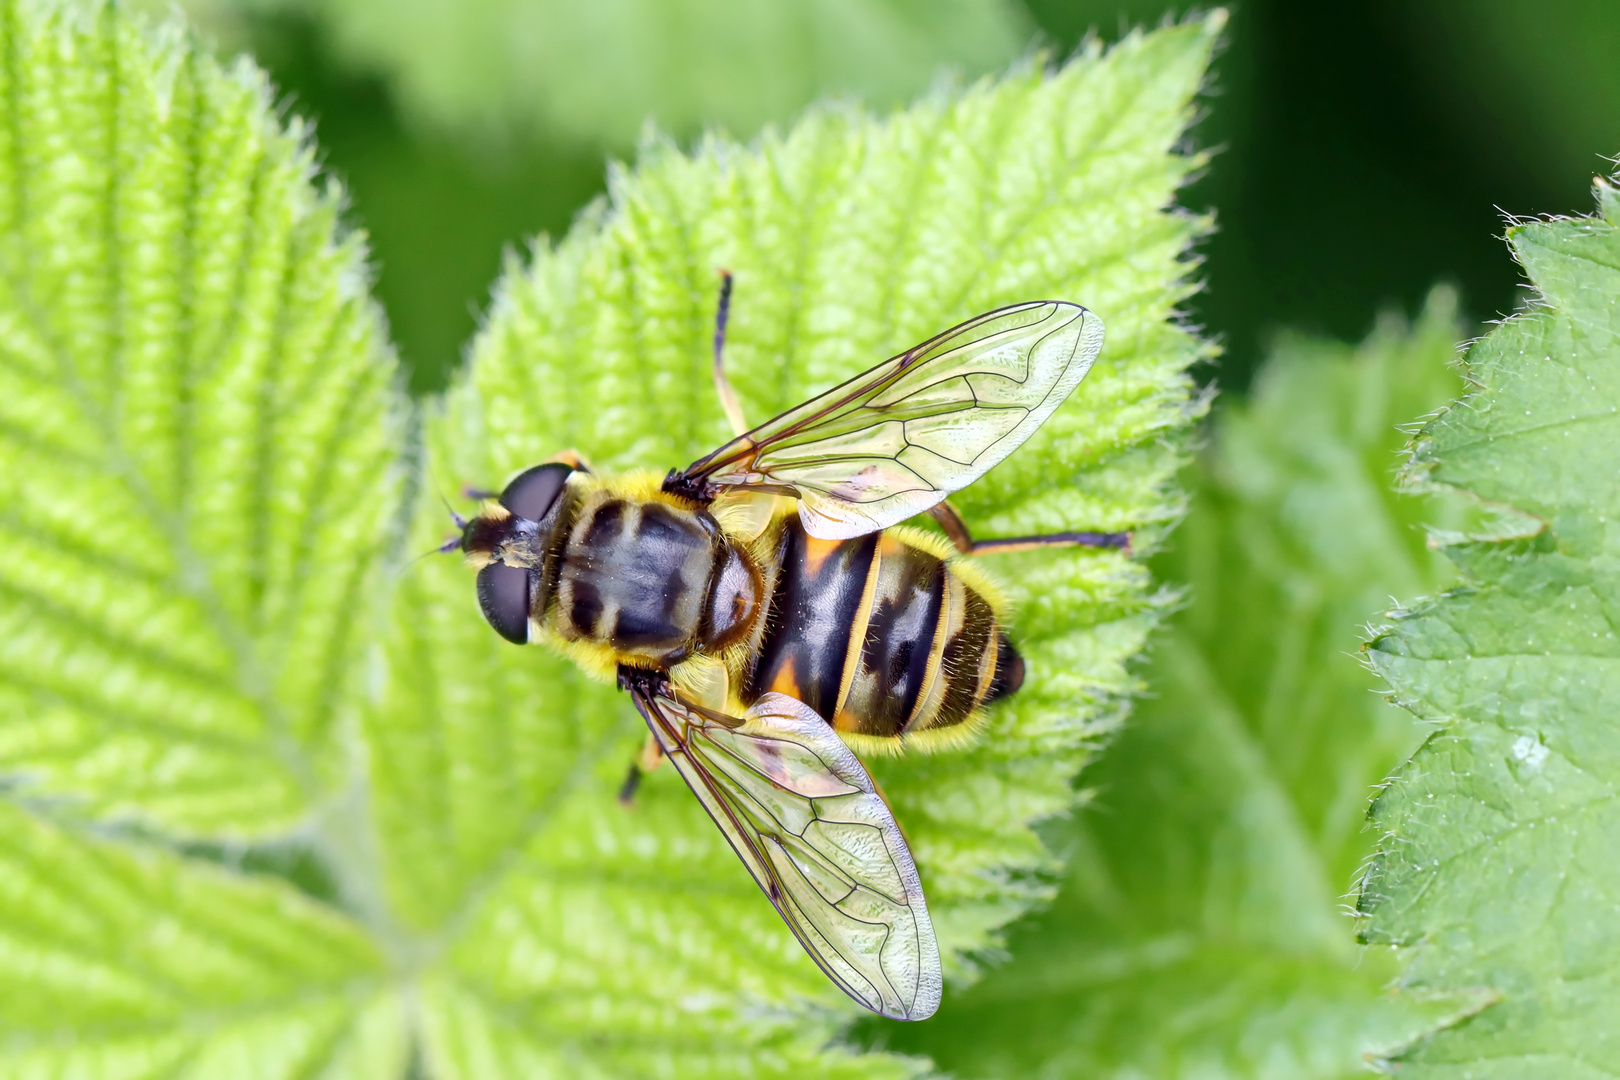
(879, 636)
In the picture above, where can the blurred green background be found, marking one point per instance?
(1365, 148)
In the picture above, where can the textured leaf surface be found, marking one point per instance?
(596, 72)
(633, 942)
(1498, 865)
(193, 454)
(117, 963)
(193, 469)
(197, 446)
(1199, 931)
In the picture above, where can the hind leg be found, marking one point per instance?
(957, 530)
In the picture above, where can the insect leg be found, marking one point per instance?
(650, 757)
(1119, 540)
(951, 521)
(722, 385)
(955, 528)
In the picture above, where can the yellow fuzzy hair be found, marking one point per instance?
(638, 485)
(966, 567)
(597, 660)
(981, 581)
(930, 741)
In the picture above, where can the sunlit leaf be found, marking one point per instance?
(221, 859)
(574, 931)
(118, 961)
(1497, 868)
(193, 448)
(194, 457)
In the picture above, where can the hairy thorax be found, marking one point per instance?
(652, 580)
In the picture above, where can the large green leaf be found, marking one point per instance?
(197, 440)
(193, 449)
(194, 461)
(629, 942)
(1199, 932)
(1498, 867)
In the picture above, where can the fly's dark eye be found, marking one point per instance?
(532, 491)
(503, 593)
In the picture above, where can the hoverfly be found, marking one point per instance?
(767, 611)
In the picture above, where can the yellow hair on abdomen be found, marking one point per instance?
(923, 540)
(969, 569)
(977, 578)
(929, 741)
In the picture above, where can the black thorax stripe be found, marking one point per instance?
(634, 575)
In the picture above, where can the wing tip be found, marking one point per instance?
(925, 1005)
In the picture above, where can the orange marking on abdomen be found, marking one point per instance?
(787, 681)
(816, 552)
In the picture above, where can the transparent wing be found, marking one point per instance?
(892, 442)
(806, 820)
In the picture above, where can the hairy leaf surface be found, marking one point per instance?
(1497, 867)
(197, 442)
(118, 962)
(193, 453)
(194, 460)
(1199, 932)
(567, 922)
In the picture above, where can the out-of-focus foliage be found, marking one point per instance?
(272, 808)
(1199, 931)
(462, 126)
(597, 72)
(1498, 866)
(1548, 76)
(850, 239)
(1476, 106)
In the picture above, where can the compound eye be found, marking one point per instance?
(503, 593)
(533, 491)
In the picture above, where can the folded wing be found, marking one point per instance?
(805, 818)
(894, 441)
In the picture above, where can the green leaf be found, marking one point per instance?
(194, 447)
(198, 439)
(195, 452)
(597, 72)
(1199, 932)
(1498, 868)
(569, 933)
(117, 963)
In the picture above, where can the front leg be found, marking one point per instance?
(722, 385)
(651, 755)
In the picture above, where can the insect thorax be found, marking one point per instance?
(652, 578)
